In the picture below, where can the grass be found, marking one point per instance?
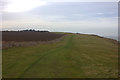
(75, 56)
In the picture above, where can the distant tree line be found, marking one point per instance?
(27, 30)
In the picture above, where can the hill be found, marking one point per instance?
(74, 56)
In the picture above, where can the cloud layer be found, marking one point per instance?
(85, 17)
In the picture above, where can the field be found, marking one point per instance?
(29, 36)
(74, 56)
(21, 38)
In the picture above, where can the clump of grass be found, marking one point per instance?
(10, 44)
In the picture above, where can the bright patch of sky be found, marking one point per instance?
(63, 16)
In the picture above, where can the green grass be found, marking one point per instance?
(75, 56)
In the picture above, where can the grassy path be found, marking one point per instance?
(46, 54)
(75, 56)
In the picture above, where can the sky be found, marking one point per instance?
(92, 17)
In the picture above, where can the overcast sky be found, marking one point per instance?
(63, 16)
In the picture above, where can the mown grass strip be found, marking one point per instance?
(47, 53)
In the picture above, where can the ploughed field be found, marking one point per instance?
(74, 56)
(29, 36)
